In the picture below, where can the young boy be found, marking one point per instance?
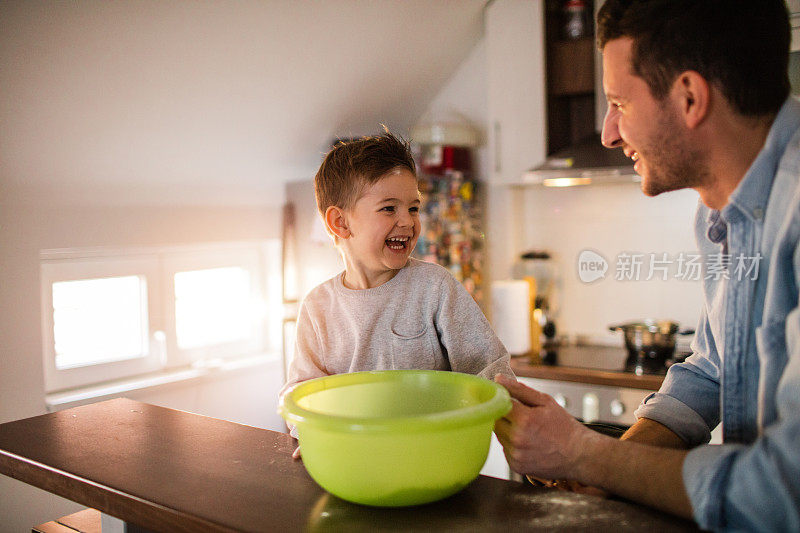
(386, 310)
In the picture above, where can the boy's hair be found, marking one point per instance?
(740, 46)
(351, 166)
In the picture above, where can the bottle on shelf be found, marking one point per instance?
(575, 21)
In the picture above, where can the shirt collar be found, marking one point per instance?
(751, 195)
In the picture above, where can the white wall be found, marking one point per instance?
(464, 96)
(614, 219)
(180, 97)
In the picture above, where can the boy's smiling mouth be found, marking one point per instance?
(397, 243)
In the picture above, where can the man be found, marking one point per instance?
(698, 98)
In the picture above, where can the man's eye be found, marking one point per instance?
(413, 210)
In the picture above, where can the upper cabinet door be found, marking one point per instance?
(516, 87)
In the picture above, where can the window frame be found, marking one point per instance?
(158, 266)
(77, 269)
(202, 259)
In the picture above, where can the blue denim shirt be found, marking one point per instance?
(745, 368)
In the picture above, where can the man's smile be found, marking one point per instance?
(633, 154)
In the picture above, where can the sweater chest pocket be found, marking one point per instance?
(411, 346)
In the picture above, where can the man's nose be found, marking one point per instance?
(610, 136)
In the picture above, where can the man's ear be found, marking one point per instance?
(693, 94)
(336, 222)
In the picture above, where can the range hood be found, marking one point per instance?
(585, 163)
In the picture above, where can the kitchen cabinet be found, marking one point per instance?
(544, 91)
(570, 73)
(514, 32)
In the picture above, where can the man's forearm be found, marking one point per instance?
(642, 473)
(646, 431)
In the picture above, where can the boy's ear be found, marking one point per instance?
(336, 222)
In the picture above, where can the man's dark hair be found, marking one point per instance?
(740, 46)
(353, 165)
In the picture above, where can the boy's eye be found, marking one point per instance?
(388, 208)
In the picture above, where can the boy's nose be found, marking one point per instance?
(610, 136)
(405, 219)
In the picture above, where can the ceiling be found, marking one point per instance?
(211, 100)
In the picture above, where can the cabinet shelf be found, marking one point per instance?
(570, 81)
(571, 67)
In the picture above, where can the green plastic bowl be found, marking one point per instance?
(394, 437)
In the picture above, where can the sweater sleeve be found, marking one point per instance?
(307, 361)
(466, 335)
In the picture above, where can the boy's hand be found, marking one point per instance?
(296, 453)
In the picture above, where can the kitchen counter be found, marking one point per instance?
(593, 365)
(167, 470)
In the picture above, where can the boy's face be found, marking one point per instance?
(384, 225)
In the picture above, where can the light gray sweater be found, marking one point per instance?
(422, 318)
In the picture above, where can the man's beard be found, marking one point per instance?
(672, 164)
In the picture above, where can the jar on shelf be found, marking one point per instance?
(446, 143)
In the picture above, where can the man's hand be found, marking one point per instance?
(567, 485)
(541, 439)
(538, 436)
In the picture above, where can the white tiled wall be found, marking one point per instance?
(613, 219)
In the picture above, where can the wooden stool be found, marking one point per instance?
(86, 521)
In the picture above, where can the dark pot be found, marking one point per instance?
(650, 343)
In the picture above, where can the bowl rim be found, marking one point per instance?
(495, 407)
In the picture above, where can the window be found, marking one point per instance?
(212, 306)
(216, 302)
(113, 314)
(99, 320)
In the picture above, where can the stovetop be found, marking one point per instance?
(600, 357)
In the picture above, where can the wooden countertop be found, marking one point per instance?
(566, 368)
(168, 470)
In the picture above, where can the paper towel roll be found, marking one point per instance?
(511, 316)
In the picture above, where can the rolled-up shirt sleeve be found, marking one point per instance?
(688, 400)
(754, 487)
